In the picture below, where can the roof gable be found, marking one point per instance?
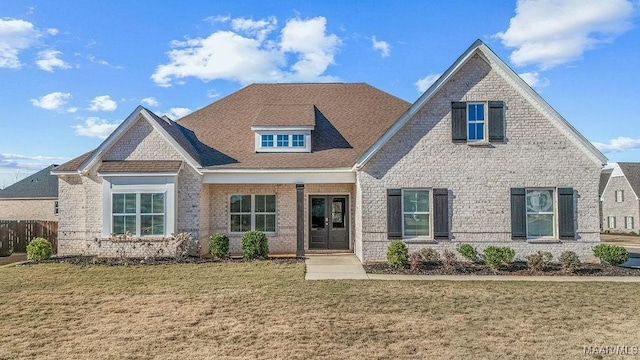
(631, 171)
(39, 185)
(175, 134)
(479, 48)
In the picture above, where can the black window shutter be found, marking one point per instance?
(566, 214)
(518, 214)
(394, 213)
(496, 121)
(459, 121)
(440, 214)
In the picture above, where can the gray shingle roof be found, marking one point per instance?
(604, 178)
(39, 185)
(631, 171)
(140, 166)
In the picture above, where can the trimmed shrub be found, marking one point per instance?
(468, 252)
(255, 245)
(448, 259)
(415, 260)
(39, 249)
(612, 254)
(570, 261)
(397, 254)
(430, 256)
(496, 256)
(539, 261)
(219, 245)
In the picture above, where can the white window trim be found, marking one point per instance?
(626, 222)
(555, 214)
(610, 220)
(485, 122)
(430, 213)
(620, 198)
(138, 214)
(252, 213)
(138, 185)
(276, 148)
(56, 208)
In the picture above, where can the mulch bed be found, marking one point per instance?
(94, 260)
(516, 268)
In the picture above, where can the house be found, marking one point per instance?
(619, 199)
(605, 174)
(32, 198)
(479, 158)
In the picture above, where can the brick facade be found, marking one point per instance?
(81, 200)
(536, 153)
(630, 206)
(28, 209)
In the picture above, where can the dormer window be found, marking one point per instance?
(267, 140)
(284, 127)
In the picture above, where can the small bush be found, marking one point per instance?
(219, 245)
(255, 245)
(430, 256)
(468, 252)
(448, 259)
(612, 254)
(39, 249)
(415, 260)
(539, 261)
(570, 261)
(397, 254)
(496, 256)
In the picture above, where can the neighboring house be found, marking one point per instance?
(605, 174)
(620, 202)
(32, 198)
(479, 158)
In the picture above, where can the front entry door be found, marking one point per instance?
(328, 222)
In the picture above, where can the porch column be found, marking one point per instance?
(300, 220)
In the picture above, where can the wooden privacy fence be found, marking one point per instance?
(18, 233)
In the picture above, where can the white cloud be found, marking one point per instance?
(150, 101)
(423, 84)
(53, 31)
(217, 18)
(382, 46)
(95, 60)
(211, 94)
(102, 103)
(248, 54)
(548, 33)
(15, 36)
(72, 110)
(48, 59)
(178, 112)
(95, 127)
(618, 144)
(533, 79)
(52, 101)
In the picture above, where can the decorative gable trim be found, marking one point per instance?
(479, 48)
(138, 114)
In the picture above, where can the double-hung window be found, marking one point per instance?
(628, 222)
(619, 196)
(475, 122)
(252, 212)
(540, 213)
(138, 213)
(612, 222)
(415, 213)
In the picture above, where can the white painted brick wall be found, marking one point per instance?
(537, 154)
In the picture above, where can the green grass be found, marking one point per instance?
(267, 310)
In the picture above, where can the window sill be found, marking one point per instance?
(544, 241)
(479, 144)
(419, 241)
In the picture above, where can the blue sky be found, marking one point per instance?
(71, 71)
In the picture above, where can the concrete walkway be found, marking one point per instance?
(347, 266)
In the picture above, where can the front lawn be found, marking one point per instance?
(266, 309)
